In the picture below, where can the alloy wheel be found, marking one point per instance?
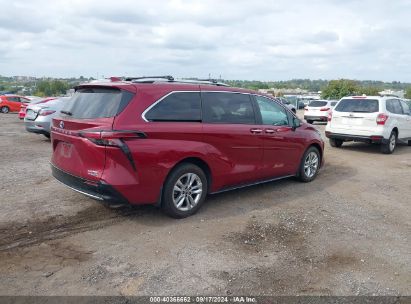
(392, 142)
(311, 164)
(187, 191)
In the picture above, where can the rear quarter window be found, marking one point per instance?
(178, 106)
(97, 103)
(358, 105)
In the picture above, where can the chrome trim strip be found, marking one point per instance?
(143, 115)
(82, 192)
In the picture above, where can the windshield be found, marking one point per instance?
(358, 105)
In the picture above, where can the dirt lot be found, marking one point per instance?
(346, 233)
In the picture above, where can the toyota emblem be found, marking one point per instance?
(61, 124)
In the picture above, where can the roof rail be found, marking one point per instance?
(204, 81)
(167, 77)
(151, 79)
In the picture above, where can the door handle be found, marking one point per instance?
(256, 131)
(270, 131)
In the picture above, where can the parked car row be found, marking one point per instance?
(171, 143)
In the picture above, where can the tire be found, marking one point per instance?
(336, 143)
(190, 202)
(390, 145)
(409, 143)
(47, 135)
(310, 121)
(294, 111)
(5, 109)
(311, 160)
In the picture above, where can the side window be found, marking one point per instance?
(406, 108)
(227, 108)
(271, 112)
(394, 106)
(179, 106)
(12, 98)
(333, 103)
(398, 108)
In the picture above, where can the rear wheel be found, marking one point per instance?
(47, 135)
(336, 143)
(5, 109)
(184, 191)
(310, 165)
(389, 146)
(310, 121)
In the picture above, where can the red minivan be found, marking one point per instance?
(170, 143)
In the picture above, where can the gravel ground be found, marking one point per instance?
(346, 233)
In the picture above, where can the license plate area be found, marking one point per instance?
(351, 121)
(66, 149)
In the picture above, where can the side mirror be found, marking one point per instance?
(296, 123)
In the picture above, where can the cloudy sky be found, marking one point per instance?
(238, 39)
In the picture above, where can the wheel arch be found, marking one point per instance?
(319, 148)
(395, 129)
(191, 160)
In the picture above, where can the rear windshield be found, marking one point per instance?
(358, 105)
(317, 103)
(97, 103)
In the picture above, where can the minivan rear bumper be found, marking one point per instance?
(377, 139)
(96, 190)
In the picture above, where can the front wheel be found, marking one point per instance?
(5, 110)
(184, 191)
(389, 146)
(310, 165)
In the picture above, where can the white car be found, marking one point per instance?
(370, 119)
(318, 110)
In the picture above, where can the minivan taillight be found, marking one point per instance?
(114, 138)
(324, 109)
(382, 118)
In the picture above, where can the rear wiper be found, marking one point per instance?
(67, 113)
